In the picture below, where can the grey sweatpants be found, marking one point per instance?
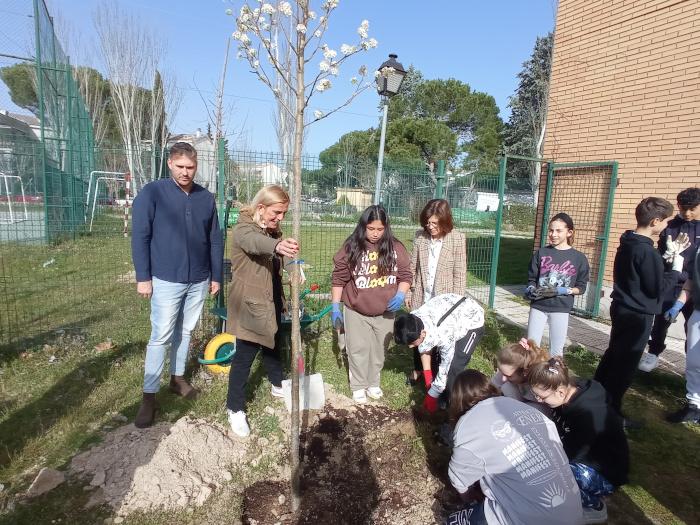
(558, 327)
(692, 359)
(366, 340)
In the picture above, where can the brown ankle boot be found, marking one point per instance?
(147, 411)
(179, 386)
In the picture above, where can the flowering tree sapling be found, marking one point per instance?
(261, 28)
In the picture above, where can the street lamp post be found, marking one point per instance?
(391, 74)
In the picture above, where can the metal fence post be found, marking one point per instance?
(497, 232)
(547, 203)
(440, 180)
(42, 109)
(605, 238)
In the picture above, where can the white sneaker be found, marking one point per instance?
(238, 423)
(591, 515)
(359, 396)
(277, 391)
(375, 392)
(648, 362)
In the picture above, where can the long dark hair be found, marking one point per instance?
(469, 388)
(355, 244)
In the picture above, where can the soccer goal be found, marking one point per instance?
(10, 213)
(92, 181)
(104, 180)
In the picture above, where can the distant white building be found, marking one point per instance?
(27, 125)
(206, 156)
(270, 173)
(487, 201)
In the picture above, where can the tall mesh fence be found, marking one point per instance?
(585, 191)
(85, 281)
(65, 258)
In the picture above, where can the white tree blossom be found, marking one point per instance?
(363, 29)
(323, 84)
(285, 8)
(299, 37)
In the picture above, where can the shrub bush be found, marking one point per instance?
(519, 217)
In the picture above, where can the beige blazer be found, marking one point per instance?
(451, 273)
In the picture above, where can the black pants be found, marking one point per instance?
(464, 348)
(241, 362)
(658, 332)
(628, 337)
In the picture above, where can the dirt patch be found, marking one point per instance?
(360, 465)
(165, 466)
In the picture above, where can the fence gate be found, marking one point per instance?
(585, 191)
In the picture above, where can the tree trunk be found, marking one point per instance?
(296, 234)
(538, 167)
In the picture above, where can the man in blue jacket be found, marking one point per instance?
(177, 251)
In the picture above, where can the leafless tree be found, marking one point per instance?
(259, 32)
(132, 53)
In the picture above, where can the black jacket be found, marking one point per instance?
(592, 433)
(640, 282)
(679, 225)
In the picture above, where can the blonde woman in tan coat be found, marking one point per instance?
(439, 266)
(255, 300)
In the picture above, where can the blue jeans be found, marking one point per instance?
(175, 310)
(591, 484)
(472, 514)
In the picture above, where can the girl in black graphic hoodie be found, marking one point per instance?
(590, 430)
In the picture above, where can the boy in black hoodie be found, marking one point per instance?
(686, 222)
(639, 288)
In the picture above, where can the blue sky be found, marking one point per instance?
(482, 43)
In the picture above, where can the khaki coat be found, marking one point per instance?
(251, 312)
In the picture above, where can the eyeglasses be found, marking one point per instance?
(542, 398)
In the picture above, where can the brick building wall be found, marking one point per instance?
(625, 86)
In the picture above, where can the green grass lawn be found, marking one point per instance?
(87, 284)
(49, 411)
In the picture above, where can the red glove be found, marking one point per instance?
(430, 403)
(428, 378)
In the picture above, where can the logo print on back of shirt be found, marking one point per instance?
(553, 496)
(501, 430)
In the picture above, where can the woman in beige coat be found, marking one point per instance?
(439, 266)
(255, 300)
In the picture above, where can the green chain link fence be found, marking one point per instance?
(65, 261)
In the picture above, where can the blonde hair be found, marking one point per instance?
(520, 357)
(266, 196)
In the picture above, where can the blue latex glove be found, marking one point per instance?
(672, 313)
(562, 290)
(530, 292)
(336, 315)
(396, 302)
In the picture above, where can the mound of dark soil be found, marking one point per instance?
(362, 465)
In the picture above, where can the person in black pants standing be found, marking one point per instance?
(639, 288)
(255, 300)
(686, 222)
